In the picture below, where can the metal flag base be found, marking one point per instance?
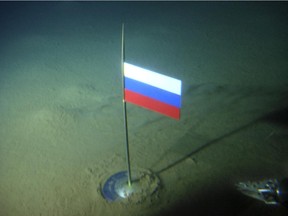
(116, 188)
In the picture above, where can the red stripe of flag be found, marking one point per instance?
(152, 104)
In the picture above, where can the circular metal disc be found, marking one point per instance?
(112, 186)
(116, 187)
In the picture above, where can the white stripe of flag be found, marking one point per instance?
(152, 78)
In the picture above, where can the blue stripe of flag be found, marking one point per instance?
(153, 92)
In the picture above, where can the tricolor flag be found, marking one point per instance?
(152, 90)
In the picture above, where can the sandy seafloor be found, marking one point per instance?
(61, 128)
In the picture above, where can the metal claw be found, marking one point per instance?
(266, 190)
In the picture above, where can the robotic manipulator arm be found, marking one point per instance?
(270, 191)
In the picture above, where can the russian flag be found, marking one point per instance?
(152, 90)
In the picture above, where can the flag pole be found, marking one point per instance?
(124, 107)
